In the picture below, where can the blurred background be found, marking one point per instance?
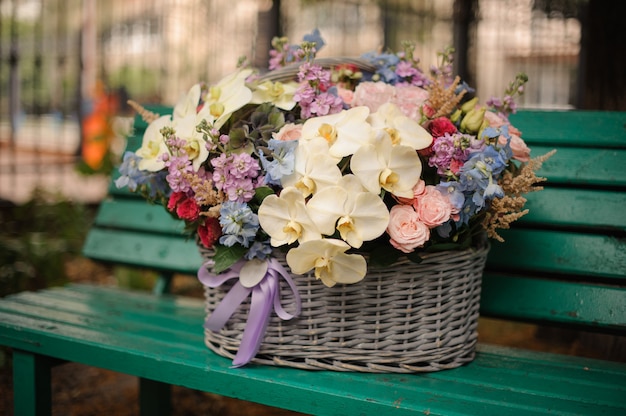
(67, 68)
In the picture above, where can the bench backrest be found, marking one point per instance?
(565, 262)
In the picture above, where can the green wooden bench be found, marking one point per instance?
(563, 264)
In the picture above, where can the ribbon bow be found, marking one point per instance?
(265, 294)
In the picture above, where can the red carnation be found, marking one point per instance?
(188, 209)
(209, 232)
(175, 198)
(440, 126)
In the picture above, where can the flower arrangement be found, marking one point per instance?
(377, 158)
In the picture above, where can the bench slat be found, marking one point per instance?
(499, 381)
(595, 166)
(572, 128)
(516, 297)
(575, 255)
(580, 208)
(162, 252)
(137, 214)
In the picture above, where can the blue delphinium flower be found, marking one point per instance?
(315, 37)
(239, 224)
(260, 250)
(282, 164)
(385, 64)
(133, 178)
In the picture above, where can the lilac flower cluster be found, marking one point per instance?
(451, 151)
(507, 105)
(284, 53)
(237, 175)
(178, 165)
(314, 93)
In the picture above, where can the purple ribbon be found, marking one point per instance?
(265, 294)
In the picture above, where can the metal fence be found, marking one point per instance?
(67, 66)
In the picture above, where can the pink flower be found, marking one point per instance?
(346, 95)
(405, 230)
(289, 132)
(410, 99)
(432, 207)
(372, 95)
(520, 150)
(418, 190)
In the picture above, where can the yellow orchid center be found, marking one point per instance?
(154, 149)
(323, 268)
(306, 185)
(275, 89)
(293, 230)
(345, 226)
(192, 149)
(328, 132)
(214, 93)
(394, 135)
(388, 178)
(216, 109)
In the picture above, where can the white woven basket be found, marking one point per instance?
(405, 318)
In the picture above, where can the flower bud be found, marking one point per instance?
(472, 120)
(469, 105)
(456, 116)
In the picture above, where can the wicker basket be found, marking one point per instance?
(403, 319)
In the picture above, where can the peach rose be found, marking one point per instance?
(289, 132)
(409, 99)
(418, 190)
(405, 230)
(372, 95)
(432, 207)
(521, 152)
(346, 95)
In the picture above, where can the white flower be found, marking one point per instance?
(395, 169)
(189, 103)
(285, 218)
(400, 128)
(153, 145)
(345, 132)
(314, 169)
(357, 214)
(226, 97)
(329, 259)
(278, 93)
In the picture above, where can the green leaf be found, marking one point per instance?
(262, 192)
(227, 256)
(383, 256)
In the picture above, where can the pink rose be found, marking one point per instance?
(345, 94)
(432, 207)
(372, 95)
(521, 152)
(418, 190)
(405, 230)
(409, 99)
(289, 132)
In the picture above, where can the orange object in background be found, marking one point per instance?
(97, 129)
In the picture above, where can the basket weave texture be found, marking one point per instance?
(404, 318)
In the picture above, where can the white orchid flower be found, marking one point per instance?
(329, 259)
(402, 130)
(153, 145)
(226, 97)
(395, 169)
(278, 93)
(196, 148)
(314, 169)
(357, 214)
(285, 218)
(188, 104)
(345, 132)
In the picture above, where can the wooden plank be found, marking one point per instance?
(573, 255)
(596, 166)
(499, 381)
(161, 252)
(137, 214)
(581, 208)
(536, 299)
(572, 128)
